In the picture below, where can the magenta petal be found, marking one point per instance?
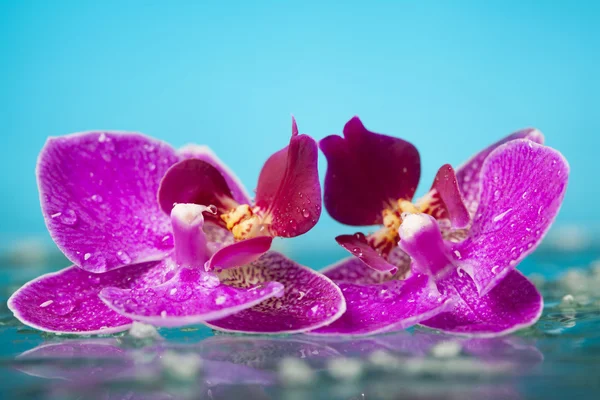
(513, 304)
(451, 205)
(523, 185)
(310, 299)
(468, 175)
(98, 196)
(386, 307)
(353, 270)
(366, 172)
(239, 253)
(289, 189)
(195, 181)
(191, 296)
(204, 153)
(357, 245)
(67, 301)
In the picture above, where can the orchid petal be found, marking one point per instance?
(386, 307)
(289, 189)
(98, 197)
(513, 304)
(239, 253)
(310, 300)
(67, 301)
(445, 199)
(353, 270)
(523, 184)
(357, 244)
(195, 181)
(468, 175)
(366, 172)
(204, 153)
(191, 296)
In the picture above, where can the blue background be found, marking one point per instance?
(449, 76)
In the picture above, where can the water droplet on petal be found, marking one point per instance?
(97, 198)
(94, 262)
(497, 194)
(166, 242)
(62, 306)
(305, 213)
(123, 257)
(151, 166)
(181, 293)
(102, 137)
(220, 300)
(67, 217)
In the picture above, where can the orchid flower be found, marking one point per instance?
(287, 203)
(133, 261)
(449, 260)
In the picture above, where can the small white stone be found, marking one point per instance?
(344, 368)
(183, 367)
(140, 330)
(446, 349)
(295, 372)
(567, 301)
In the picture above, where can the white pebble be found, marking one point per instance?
(140, 330)
(446, 349)
(344, 368)
(295, 372)
(183, 367)
(567, 301)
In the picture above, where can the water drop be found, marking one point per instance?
(495, 269)
(151, 166)
(97, 198)
(67, 217)
(497, 194)
(149, 147)
(46, 303)
(102, 137)
(212, 209)
(94, 262)
(166, 242)
(62, 307)
(220, 300)
(502, 215)
(106, 157)
(305, 213)
(181, 293)
(123, 257)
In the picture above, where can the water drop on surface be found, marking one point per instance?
(97, 198)
(220, 300)
(67, 217)
(151, 166)
(102, 137)
(62, 307)
(305, 213)
(123, 257)
(497, 194)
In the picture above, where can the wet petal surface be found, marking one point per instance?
(359, 247)
(468, 175)
(289, 188)
(523, 185)
(513, 304)
(67, 301)
(366, 172)
(446, 199)
(98, 196)
(310, 300)
(386, 307)
(191, 296)
(353, 270)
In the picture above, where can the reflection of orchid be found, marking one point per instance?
(464, 238)
(142, 259)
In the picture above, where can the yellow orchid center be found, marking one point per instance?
(385, 239)
(244, 223)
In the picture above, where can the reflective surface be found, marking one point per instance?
(558, 357)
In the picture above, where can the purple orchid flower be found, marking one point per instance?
(132, 261)
(450, 258)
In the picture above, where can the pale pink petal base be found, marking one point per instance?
(310, 299)
(513, 304)
(98, 196)
(386, 307)
(191, 296)
(67, 301)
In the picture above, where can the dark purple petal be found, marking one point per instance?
(366, 173)
(204, 153)
(386, 307)
(513, 304)
(98, 196)
(445, 201)
(67, 301)
(357, 245)
(523, 185)
(468, 175)
(310, 299)
(288, 188)
(198, 182)
(239, 253)
(191, 296)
